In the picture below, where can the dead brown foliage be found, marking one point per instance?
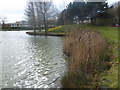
(87, 50)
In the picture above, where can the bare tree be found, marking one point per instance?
(30, 13)
(39, 20)
(46, 11)
(3, 19)
(40, 13)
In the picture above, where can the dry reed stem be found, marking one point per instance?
(87, 50)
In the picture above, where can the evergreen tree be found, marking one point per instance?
(84, 10)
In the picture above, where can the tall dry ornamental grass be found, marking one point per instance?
(87, 50)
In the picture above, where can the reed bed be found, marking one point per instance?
(88, 54)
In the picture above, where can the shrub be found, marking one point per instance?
(56, 29)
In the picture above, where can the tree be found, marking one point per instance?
(62, 18)
(46, 10)
(39, 13)
(77, 12)
(96, 8)
(3, 19)
(114, 11)
(30, 13)
(118, 12)
(39, 21)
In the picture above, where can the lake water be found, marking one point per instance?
(31, 61)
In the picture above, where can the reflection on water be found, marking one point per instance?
(31, 61)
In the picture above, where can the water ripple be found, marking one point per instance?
(32, 62)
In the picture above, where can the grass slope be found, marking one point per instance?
(108, 78)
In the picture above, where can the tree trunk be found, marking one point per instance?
(34, 29)
(45, 26)
(92, 21)
(39, 27)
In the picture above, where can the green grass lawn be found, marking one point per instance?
(109, 78)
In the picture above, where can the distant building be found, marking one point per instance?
(20, 24)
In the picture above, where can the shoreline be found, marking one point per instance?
(43, 34)
(74, 43)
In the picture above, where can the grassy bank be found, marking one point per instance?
(89, 54)
(107, 78)
(56, 31)
(110, 77)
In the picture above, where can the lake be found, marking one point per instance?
(31, 61)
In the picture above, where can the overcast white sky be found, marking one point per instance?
(14, 9)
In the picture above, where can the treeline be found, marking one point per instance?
(44, 14)
(98, 13)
